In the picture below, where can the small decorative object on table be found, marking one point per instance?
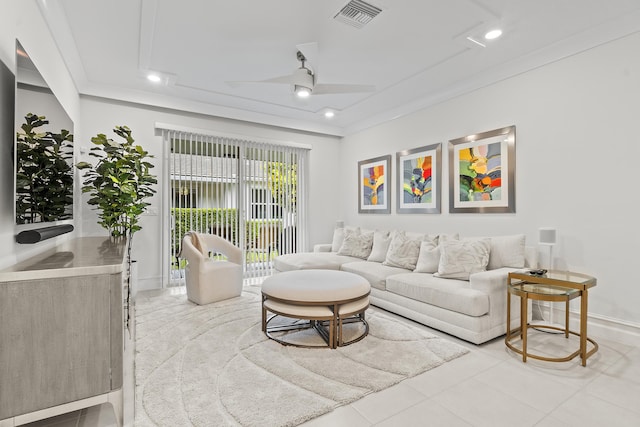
(540, 272)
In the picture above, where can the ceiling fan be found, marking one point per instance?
(304, 80)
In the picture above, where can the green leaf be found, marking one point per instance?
(119, 182)
(83, 165)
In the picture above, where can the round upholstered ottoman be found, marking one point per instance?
(325, 299)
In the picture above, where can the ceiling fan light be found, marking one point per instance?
(302, 91)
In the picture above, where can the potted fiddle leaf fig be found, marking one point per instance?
(119, 182)
(118, 185)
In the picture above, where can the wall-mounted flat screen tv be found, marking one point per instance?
(7, 141)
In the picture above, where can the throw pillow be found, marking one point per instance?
(381, 241)
(338, 237)
(356, 244)
(429, 257)
(447, 237)
(461, 258)
(507, 251)
(403, 251)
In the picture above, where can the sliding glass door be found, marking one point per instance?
(251, 193)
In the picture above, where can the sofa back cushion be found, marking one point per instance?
(338, 237)
(460, 258)
(429, 257)
(356, 243)
(381, 241)
(507, 251)
(403, 250)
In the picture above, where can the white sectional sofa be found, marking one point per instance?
(456, 285)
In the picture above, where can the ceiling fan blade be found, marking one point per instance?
(327, 89)
(281, 79)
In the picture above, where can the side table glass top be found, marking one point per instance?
(554, 278)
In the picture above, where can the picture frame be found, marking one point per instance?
(374, 185)
(482, 172)
(418, 180)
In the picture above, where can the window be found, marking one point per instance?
(184, 197)
(263, 205)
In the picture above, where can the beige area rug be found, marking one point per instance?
(212, 365)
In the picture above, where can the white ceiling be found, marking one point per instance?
(415, 52)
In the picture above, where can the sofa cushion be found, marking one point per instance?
(356, 243)
(455, 295)
(414, 235)
(429, 257)
(403, 251)
(448, 237)
(381, 241)
(374, 272)
(311, 260)
(460, 258)
(322, 247)
(507, 251)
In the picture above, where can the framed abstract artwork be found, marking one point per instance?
(419, 172)
(374, 184)
(482, 172)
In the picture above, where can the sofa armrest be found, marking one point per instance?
(322, 247)
(491, 281)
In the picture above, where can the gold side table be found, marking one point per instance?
(555, 285)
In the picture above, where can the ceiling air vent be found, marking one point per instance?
(357, 13)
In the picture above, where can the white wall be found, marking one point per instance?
(22, 20)
(100, 116)
(577, 156)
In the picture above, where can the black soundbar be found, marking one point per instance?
(39, 234)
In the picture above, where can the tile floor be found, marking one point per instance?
(490, 386)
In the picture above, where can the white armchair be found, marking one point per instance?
(209, 280)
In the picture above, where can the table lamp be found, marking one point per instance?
(547, 237)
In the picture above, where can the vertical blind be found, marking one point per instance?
(251, 193)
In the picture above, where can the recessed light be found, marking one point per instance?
(154, 78)
(493, 34)
(329, 114)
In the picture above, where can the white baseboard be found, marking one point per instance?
(598, 326)
(611, 329)
(146, 284)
